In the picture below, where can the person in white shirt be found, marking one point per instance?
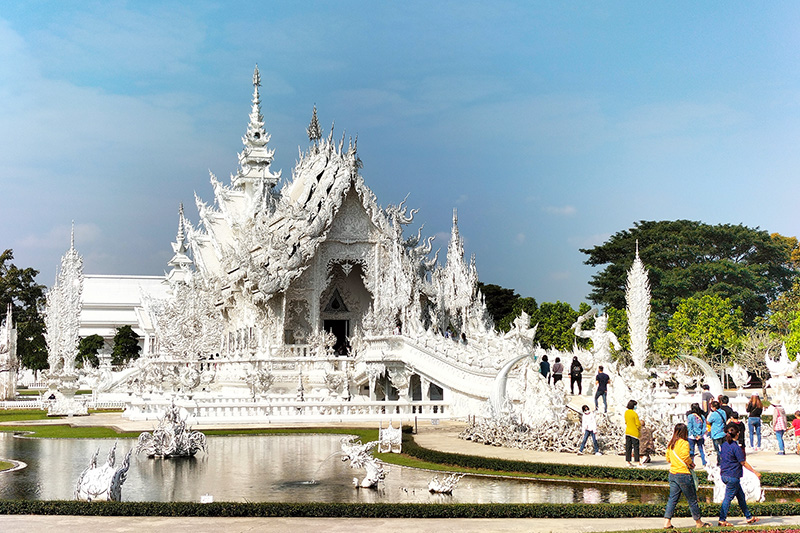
(589, 427)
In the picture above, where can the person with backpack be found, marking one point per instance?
(696, 424)
(576, 376)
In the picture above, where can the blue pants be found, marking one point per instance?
(717, 444)
(604, 395)
(779, 436)
(699, 444)
(754, 427)
(682, 483)
(586, 437)
(733, 487)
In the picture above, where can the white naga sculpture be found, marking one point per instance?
(785, 381)
(360, 456)
(390, 439)
(103, 483)
(172, 437)
(751, 485)
(445, 485)
(8, 356)
(601, 338)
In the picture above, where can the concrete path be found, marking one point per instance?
(442, 436)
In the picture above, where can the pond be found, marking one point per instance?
(287, 468)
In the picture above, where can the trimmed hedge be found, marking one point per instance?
(410, 447)
(372, 510)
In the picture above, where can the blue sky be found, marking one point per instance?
(549, 126)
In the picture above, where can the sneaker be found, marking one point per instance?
(630, 464)
(781, 453)
(580, 452)
(598, 453)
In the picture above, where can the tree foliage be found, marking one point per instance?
(555, 321)
(18, 286)
(522, 304)
(499, 300)
(690, 259)
(707, 326)
(88, 348)
(126, 346)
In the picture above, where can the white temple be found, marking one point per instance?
(307, 299)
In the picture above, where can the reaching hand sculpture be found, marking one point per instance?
(445, 485)
(360, 456)
(599, 336)
(103, 483)
(172, 437)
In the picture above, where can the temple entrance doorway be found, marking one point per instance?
(341, 330)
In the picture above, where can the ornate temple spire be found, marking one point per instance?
(313, 130)
(637, 298)
(254, 160)
(181, 263)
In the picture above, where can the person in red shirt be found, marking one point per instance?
(796, 426)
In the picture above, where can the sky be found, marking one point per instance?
(549, 126)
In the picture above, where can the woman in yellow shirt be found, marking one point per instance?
(632, 425)
(680, 476)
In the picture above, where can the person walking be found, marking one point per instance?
(734, 421)
(544, 368)
(601, 380)
(576, 375)
(754, 410)
(716, 423)
(796, 426)
(696, 425)
(558, 371)
(779, 424)
(732, 461)
(680, 476)
(589, 427)
(632, 425)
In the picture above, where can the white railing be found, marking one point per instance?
(227, 409)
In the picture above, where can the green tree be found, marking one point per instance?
(522, 304)
(126, 346)
(18, 287)
(555, 320)
(618, 325)
(499, 300)
(706, 326)
(87, 349)
(687, 259)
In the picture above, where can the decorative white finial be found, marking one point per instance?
(72, 237)
(313, 130)
(256, 77)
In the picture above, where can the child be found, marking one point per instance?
(589, 427)
(796, 426)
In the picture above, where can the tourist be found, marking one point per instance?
(601, 380)
(589, 427)
(796, 426)
(576, 375)
(778, 423)
(716, 426)
(680, 477)
(544, 368)
(705, 400)
(632, 425)
(647, 445)
(696, 424)
(732, 459)
(723, 404)
(734, 421)
(754, 410)
(558, 371)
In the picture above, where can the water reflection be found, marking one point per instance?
(292, 468)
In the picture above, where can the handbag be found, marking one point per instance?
(691, 471)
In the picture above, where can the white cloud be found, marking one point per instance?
(559, 276)
(461, 199)
(566, 210)
(519, 238)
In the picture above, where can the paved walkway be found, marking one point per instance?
(442, 436)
